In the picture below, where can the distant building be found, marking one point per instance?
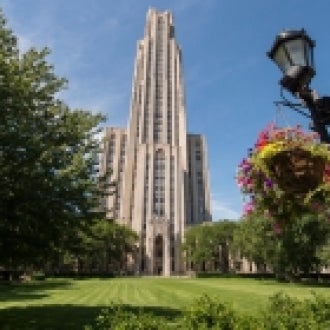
(161, 172)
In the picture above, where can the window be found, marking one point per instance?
(159, 183)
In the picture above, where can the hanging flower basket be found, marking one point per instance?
(297, 170)
(286, 170)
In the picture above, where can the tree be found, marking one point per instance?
(254, 240)
(291, 251)
(198, 246)
(207, 245)
(48, 153)
(299, 244)
(107, 247)
(224, 233)
(324, 254)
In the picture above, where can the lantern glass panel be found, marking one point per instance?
(281, 59)
(296, 50)
(309, 54)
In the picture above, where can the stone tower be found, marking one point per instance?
(160, 170)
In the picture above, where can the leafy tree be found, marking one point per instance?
(292, 251)
(48, 153)
(107, 247)
(199, 246)
(207, 245)
(299, 243)
(223, 238)
(254, 239)
(324, 254)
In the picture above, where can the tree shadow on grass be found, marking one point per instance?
(30, 290)
(68, 317)
(312, 282)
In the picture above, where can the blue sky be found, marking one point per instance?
(230, 84)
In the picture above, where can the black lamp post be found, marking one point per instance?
(292, 51)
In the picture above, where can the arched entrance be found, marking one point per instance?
(158, 255)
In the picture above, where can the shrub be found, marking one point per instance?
(285, 312)
(209, 313)
(320, 306)
(116, 317)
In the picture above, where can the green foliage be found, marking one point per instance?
(199, 244)
(299, 243)
(320, 306)
(295, 251)
(324, 253)
(282, 312)
(48, 154)
(285, 312)
(107, 246)
(254, 239)
(115, 317)
(210, 313)
(209, 244)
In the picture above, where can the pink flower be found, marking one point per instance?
(248, 208)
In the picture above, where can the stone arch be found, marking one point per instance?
(159, 255)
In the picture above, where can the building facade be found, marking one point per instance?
(160, 171)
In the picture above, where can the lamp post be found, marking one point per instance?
(292, 51)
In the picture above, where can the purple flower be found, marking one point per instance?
(268, 184)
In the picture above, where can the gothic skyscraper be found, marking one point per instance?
(161, 171)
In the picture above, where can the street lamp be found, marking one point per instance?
(292, 51)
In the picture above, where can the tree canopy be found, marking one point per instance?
(48, 154)
(208, 244)
(297, 249)
(107, 247)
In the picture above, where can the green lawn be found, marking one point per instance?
(70, 303)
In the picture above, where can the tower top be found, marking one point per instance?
(154, 17)
(158, 12)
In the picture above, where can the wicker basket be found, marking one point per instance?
(297, 171)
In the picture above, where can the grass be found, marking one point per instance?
(72, 303)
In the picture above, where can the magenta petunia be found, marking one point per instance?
(248, 208)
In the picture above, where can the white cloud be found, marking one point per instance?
(222, 210)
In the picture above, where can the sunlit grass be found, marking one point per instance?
(52, 299)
